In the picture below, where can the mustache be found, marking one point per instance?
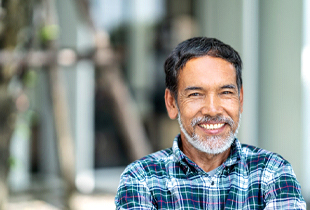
(215, 119)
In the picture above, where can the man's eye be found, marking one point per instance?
(194, 94)
(227, 92)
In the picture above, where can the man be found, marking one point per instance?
(207, 167)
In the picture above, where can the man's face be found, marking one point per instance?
(208, 104)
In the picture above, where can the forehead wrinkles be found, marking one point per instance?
(197, 64)
(209, 68)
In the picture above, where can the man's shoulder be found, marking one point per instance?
(155, 162)
(160, 156)
(260, 158)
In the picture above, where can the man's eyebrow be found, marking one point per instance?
(192, 88)
(231, 86)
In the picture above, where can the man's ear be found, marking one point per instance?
(241, 99)
(171, 104)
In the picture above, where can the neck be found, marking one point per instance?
(206, 161)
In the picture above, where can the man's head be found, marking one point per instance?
(204, 90)
(198, 47)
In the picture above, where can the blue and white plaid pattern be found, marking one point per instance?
(251, 178)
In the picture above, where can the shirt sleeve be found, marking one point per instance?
(283, 190)
(133, 193)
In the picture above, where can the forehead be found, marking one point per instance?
(207, 70)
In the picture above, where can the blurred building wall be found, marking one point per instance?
(280, 128)
(306, 98)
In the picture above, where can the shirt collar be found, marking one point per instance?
(235, 153)
(187, 164)
(233, 158)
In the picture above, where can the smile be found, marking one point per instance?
(212, 126)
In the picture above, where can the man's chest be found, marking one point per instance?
(205, 192)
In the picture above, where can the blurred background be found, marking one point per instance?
(82, 89)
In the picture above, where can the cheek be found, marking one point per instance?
(233, 109)
(190, 108)
(231, 104)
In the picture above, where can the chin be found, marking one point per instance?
(211, 145)
(215, 146)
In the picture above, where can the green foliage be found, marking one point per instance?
(49, 33)
(12, 162)
(30, 79)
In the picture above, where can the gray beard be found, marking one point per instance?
(211, 145)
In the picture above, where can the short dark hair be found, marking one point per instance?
(197, 47)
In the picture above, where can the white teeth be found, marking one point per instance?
(212, 126)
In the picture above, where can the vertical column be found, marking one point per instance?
(143, 14)
(280, 119)
(222, 20)
(249, 131)
(305, 75)
(19, 174)
(85, 91)
(80, 87)
(48, 163)
(85, 110)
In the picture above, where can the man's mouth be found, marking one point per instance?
(211, 126)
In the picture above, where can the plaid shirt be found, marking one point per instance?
(250, 178)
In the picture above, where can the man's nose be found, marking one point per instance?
(212, 105)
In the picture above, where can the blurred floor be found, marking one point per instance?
(78, 202)
(46, 193)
